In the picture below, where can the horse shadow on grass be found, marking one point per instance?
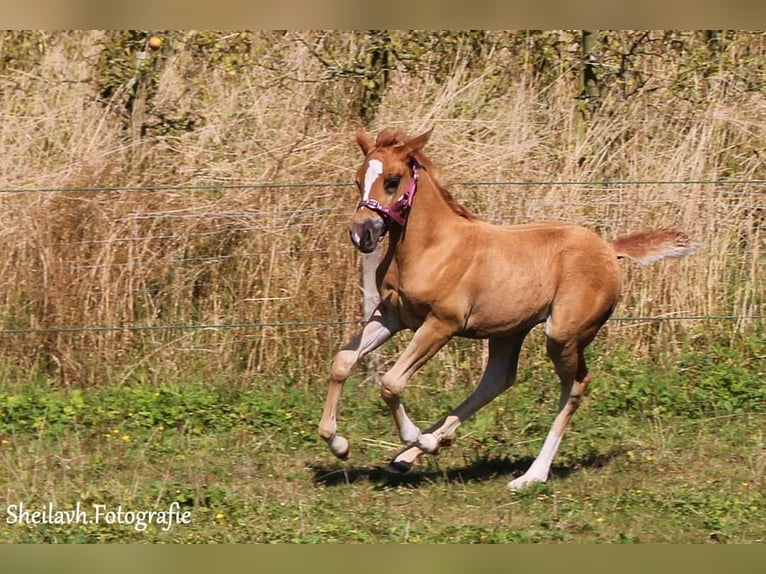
(480, 469)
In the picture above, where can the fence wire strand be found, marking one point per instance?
(312, 324)
(329, 184)
(241, 218)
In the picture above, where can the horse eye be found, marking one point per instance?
(391, 184)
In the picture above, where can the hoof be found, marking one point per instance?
(398, 467)
(339, 446)
(447, 441)
(523, 482)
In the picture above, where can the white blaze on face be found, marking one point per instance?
(374, 169)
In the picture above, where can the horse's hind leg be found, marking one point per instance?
(379, 329)
(499, 374)
(569, 362)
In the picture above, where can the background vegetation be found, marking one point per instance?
(176, 276)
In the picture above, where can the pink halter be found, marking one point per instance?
(398, 210)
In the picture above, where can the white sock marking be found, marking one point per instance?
(538, 472)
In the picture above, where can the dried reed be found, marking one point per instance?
(205, 252)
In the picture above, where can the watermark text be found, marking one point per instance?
(21, 514)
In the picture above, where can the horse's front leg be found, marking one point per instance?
(428, 339)
(379, 329)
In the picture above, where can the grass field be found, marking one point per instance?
(670, 452)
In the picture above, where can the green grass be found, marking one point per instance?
(656, 454)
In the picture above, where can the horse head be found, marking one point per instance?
(387, 181)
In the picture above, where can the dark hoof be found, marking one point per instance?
(395, 467)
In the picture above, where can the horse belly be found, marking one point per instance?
(507, 296)
(504, 318)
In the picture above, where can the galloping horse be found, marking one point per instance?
(445, 273)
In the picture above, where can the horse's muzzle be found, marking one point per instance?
(366, 233)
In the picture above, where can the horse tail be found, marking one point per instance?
(646, 247)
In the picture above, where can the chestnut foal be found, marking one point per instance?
(445, 274)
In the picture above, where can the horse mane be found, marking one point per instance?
(391, 138)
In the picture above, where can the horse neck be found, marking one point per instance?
(430, 218)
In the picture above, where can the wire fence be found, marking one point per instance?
(326, 323)
(241, 221)
(304, 185)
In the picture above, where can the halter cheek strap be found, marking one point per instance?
(399, 209)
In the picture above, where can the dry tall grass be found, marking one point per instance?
(206, 252)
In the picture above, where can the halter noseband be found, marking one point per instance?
(398, 210)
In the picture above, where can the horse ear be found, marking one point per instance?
(365, 142)
(418, 143)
